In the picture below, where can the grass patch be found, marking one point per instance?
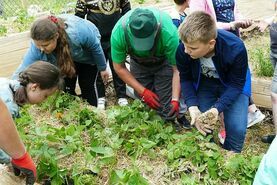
(261, 60)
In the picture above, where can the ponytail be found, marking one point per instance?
(20, 96)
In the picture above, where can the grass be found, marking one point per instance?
(16, 19)
(258, 47)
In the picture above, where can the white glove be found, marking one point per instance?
(194, 112)
(205, 123)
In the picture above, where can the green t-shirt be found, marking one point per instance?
(167, 43)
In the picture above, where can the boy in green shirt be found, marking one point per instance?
(151, 39)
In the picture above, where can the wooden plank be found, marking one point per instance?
(261, 89)
(14, 42)
(10, 61)
(12, 50)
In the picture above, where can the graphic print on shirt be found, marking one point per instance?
(224, 10)
(107, 7)
(208, 68)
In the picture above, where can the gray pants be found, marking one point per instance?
(159, 80)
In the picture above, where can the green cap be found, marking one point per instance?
(143, 26)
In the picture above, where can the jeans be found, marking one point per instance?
(86, 75)
(235, 116)
(119, 85)
(4, 158)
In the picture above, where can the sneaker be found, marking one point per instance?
(122, 102)
(101, 103)
(254, 118)
(184, 122)
(268, 138)
(222, 136)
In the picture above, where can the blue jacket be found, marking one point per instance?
(7, 89)
(231, 63)
(84, 43)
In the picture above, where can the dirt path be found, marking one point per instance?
(256, 9)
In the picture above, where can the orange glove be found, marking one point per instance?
(25, 165)
(150, 98)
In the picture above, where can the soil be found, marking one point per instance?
(256, 9)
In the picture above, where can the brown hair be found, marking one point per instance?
(46, 75)
(45, 29)
(179, 2)
(198, 26)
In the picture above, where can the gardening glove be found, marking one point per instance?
(26, 166)
(174, 108)
(206, 122)
(194, 112)
(150, 98)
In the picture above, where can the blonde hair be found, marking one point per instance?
(45, 29)
(198, 26)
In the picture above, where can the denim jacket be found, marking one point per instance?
(84, 43)
(7, 88)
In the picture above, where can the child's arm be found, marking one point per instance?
(11, 143)
(263, 24)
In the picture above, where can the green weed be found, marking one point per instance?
(260, 58)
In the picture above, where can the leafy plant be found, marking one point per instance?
(3, 30)
(261, 59)
(83, 145)
(128, 177)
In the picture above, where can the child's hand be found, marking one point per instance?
(194, 113)
(26, 166)
(241, 24)
(262, 25)
(105, 76)
(205, 123)
(246, 23)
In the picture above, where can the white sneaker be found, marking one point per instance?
(122, 102)
(254, 118)
(101, 103)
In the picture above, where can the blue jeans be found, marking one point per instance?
(235, 116)
(4, 158)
